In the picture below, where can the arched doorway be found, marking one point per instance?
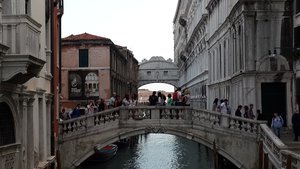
(7, 127)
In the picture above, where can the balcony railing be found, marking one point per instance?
(9, 155)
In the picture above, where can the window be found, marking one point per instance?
(165, 73)
(148, 73)
(27, 7)
(83, 58)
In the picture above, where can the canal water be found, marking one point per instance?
(159, 151)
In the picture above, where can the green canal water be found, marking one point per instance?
(158, 151)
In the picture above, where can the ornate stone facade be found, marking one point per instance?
(25, 84)
(237, 50)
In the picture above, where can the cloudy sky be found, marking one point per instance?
(144, 26)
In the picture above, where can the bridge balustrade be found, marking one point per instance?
(185, 117)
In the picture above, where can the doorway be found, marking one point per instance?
(273, 100)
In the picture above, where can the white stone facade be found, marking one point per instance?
(25, 86)
(235, 49)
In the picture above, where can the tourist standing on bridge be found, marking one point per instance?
(76, 111)
(112, 101)
(126, 101)
(153, 99)
(101, 105)
(215, 105)
(177, 100)
(296, 125)
(170, 100)
(250, 112)
(224, 107)
(277, 123)
(246, 111)
(238, 111)
(161, 99)
(186, 98)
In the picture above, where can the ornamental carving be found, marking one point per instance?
(151, 129)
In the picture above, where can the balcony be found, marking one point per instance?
(18, 69)
(21, 42)
(9, 155)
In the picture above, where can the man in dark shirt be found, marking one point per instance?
(296, 125)
(153, 99)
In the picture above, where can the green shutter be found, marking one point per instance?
(83, 58)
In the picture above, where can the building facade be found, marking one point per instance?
(296, 22)
(27, 120)
(190, 49)
(246, 49)
(94, 67)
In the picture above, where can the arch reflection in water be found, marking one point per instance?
(159, 151)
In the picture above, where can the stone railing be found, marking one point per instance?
(84, 123)
(272, 145)
(290, 159)
(155, 112)
(9, 155)
(129, 116)
(278, 153)
(210, 118)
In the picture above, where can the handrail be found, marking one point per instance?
(128, 116)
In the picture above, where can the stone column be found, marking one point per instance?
(29, 130)
(24, 133)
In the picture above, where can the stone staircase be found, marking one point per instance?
(288, 139)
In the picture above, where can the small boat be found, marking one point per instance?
(103, 154)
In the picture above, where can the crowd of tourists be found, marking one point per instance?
(177, 98)
(95, 106)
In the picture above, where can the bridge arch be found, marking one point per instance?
(158, 70)
(180, 132)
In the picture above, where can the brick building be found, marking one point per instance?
(94, 67)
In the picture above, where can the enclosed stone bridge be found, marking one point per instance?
(158, 70)
(248, 144)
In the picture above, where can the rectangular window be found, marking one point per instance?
(83, 58)
(27, 7)
(165, 73)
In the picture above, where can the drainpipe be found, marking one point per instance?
(52, 83)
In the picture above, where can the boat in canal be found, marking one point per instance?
(103, 154)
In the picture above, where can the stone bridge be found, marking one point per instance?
(158, 70)
(248, 144)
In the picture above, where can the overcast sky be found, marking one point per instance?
(144, 26)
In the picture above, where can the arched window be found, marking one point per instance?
(7, 127)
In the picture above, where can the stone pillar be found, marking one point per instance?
(24, 133)
(29, 130)
(224, 121)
